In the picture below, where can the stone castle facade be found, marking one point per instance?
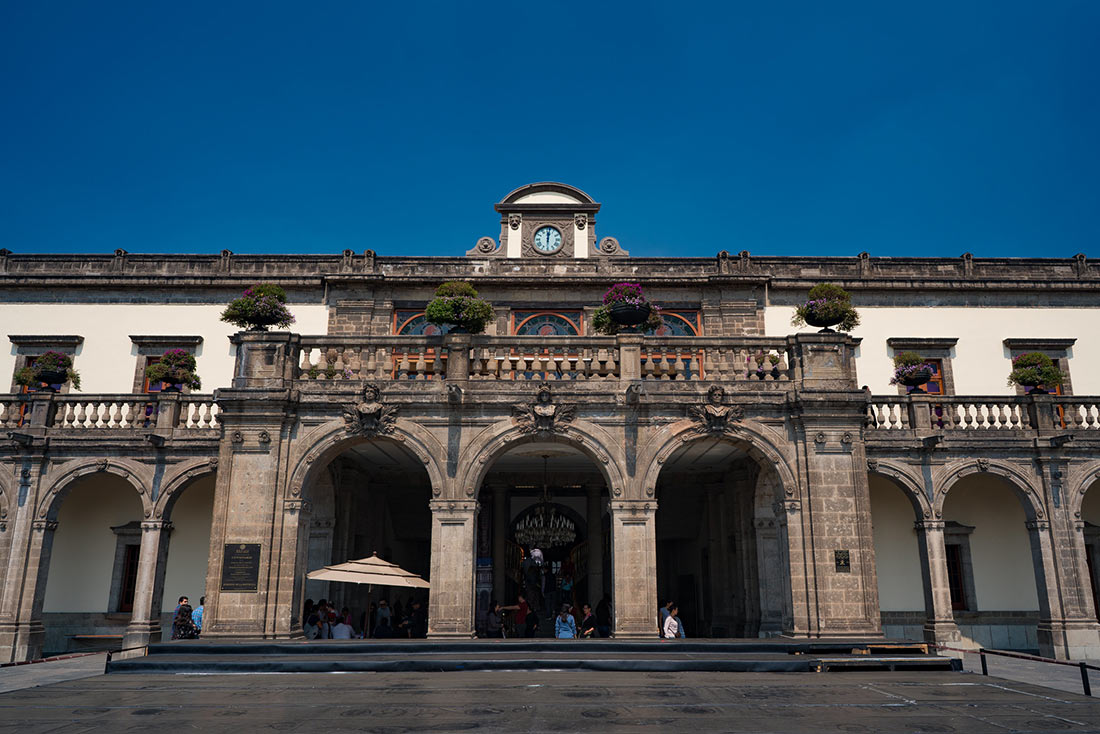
(770, 496)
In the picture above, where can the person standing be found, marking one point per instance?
(564, 626)
(672, 624)
(418, 620)
(493, 623)
(588, 623)
(183, 628)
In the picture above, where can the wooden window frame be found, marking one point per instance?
(938, 348)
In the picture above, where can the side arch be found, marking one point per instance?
(1017, 479)
(325, 442)
(1083, 479)
(754, 437)
(174, 485)
(904, 480)
(60, 483)
(478, 456)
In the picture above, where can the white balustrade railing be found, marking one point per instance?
(13, 411)
(1077, 414)
(198, 411)
(888, 413)
(104, 412)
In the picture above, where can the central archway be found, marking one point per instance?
(721, 552)
(542, 538)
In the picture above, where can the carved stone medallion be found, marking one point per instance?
(714, 417)
(543, 416)
(369, 416)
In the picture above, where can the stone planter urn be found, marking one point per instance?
(51, 378)
(825, 322)
(916, 379)
(627, 314)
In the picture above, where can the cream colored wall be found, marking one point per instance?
(897, 557)
(189, 548)
(980, 361)
(107, 359)
(83, 557)
(1004, 574)
(547, 197)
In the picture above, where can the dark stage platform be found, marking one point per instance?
(730, 656)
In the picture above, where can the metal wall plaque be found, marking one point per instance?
(843, 561)
(241, 567)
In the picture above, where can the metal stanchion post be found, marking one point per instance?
(1085, 679)
(985, 667)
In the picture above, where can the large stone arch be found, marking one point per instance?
(59, 483)
(487, 446)
(173, 486)
(760, 442)
(910, 485)
(1015, 477)
(323, 443)
(1082, 480)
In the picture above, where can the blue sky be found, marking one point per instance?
(781, 128)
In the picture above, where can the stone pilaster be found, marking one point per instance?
(939, 622)
(31, 541)
(1061, 635)
(634, 559)
(249, 503)
(144, 626)
(451, 599)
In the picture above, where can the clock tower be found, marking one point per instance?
(547, 220)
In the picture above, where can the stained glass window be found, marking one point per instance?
(678, 323)
(415, 323)
(546, 323)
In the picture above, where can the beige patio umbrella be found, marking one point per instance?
(373, 571)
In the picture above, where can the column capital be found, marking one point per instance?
(149, 526)
(453, 507)
(929, 524)
(42, 526)
(634, 507)
(1038, 524)
(296, 505)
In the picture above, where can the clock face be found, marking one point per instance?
(547, 240)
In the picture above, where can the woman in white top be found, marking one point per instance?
(672, 624)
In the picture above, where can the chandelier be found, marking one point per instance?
(545, 528)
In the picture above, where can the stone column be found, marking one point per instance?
(500, 542)
(634, 568)
(595, 544)
(451, 599)
(939, 622)
(144, 626)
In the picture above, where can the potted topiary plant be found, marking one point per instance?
(456, 305)
(1036, 371)
(47, 370)
(911, 370)
(258, 308)
(176, 369)
(829, 305)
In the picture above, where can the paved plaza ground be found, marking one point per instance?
(546, 701)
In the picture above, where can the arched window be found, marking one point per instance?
(678, 323)
(415, 323)
(546, 323)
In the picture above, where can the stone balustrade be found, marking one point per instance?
(574, 358)
(109, 412)
(993, 413)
